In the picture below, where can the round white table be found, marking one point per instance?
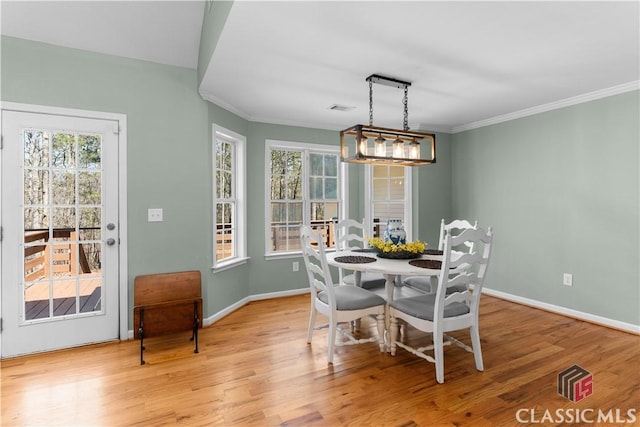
(390, 268)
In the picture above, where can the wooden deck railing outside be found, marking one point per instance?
(61, 258)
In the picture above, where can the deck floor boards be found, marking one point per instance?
(39, 309)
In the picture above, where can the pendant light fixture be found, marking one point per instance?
(375, 145)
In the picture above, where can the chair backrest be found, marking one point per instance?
(315, 261)
(349, 234)
(473, 268)
(455, 227)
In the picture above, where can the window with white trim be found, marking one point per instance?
(303, 187)
(229, 188)
(387, 196)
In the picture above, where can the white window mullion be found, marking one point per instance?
(306, 201)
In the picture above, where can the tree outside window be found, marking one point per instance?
(304, 189)
(229, 228)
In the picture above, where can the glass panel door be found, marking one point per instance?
(60, 248)
(62, 211)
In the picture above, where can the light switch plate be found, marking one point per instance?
(154, 215)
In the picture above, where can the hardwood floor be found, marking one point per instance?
(255, 368)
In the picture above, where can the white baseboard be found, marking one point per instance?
(587, 317)
(233, 307)
(222, 313)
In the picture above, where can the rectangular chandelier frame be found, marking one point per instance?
(364, 144)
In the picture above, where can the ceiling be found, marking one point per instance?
(288, 62)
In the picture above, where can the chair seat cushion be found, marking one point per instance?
(423, 283)
(367, 280)
(423, 306)
(352, 298)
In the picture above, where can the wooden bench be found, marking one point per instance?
(167, 303)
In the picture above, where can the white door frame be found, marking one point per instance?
(123, 276)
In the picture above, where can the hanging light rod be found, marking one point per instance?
(388, 81)
(376, 145)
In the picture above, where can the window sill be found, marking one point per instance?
(229, 264)
(292, 254)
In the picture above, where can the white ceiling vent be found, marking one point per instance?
(337, 107)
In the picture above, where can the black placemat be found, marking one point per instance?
(353, 259)
(433, 252)
(363, 250)
(426, 263)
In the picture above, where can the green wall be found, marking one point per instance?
(168, 162)
(559, 188)
(272, 275)
(432, 193)
(561, 192)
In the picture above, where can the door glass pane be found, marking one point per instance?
(36, 298)
(64, 218)
(63, 188)
(90, 296)
(62, 224)
(36, 187)
(36, 148)
(36, 218)
(89, 190)
(63, 151)
(89, 149)
(64, 297)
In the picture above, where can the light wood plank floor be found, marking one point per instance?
(255, 368)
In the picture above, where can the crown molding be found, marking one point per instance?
(208, 96)
(580, 99)
(426, 127)
(591, 96)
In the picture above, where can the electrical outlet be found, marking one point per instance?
(296, 266)
(567, 279)
(154, 215)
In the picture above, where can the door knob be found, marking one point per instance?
(111, 241)
(111, 226)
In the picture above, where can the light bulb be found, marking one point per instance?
(363, 145)
(381, 146)
(398, 148)
(414, 149)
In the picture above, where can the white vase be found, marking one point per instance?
(394, 232)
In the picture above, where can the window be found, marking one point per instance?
(229, 243)
(303, 187)
(387, 196)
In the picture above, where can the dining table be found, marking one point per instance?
(366, 260)
(393, 269)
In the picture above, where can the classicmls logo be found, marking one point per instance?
(575, 383)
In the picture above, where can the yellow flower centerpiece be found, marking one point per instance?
(388, 249)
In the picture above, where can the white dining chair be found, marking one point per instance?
(340, 304)
(350, 234)
(448, 311)
(455, 227)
